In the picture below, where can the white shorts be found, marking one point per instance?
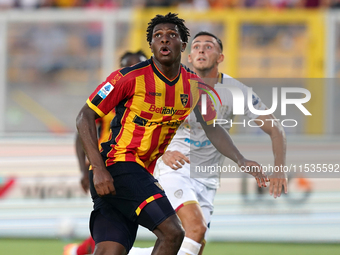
(182, 190)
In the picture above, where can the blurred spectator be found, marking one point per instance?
(28, 4)
(312, 4)
(217, 4)
(253, 3)
(194, 4)
(67, 3)
(335, 4)
(159, 3)
(103, 4)
(132, 3)
(47, 4)
(6, 4)
(283, 4)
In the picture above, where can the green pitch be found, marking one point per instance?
(55, 247)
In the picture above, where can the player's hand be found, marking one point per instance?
(254, 169)
(175, 159)
(103, 182)
(277, 181)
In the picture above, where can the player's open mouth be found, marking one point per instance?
(201, 59)
(165, 51)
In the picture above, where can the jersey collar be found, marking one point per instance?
(220, 78)
(163, 77)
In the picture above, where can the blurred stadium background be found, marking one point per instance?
(54, 53)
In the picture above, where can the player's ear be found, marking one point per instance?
(184, 45)
(150, 47)
(220, 58)
(189, 58)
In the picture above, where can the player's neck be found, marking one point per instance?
(209, 76)
(170, 71)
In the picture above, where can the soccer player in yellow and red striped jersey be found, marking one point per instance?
(151, 100)
(149, 108)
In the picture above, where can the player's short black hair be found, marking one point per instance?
(168, 18)
(127, 54)
(212, 35)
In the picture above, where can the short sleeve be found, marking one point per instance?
(108, 94)
(257, 104)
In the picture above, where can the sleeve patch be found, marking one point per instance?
(105, 90)
(255, 100)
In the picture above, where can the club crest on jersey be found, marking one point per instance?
(178, 193)
(105, 90)
(184, 99)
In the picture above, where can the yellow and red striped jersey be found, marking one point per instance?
(104, 128)
(149, 109)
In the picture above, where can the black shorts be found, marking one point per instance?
(139, 200)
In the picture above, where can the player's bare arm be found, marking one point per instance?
(277, 135)
(224, 144)
(175, 159)
(103, 182)
(84, 167)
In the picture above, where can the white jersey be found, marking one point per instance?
(191, 140)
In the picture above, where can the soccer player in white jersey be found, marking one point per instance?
(192, 198)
